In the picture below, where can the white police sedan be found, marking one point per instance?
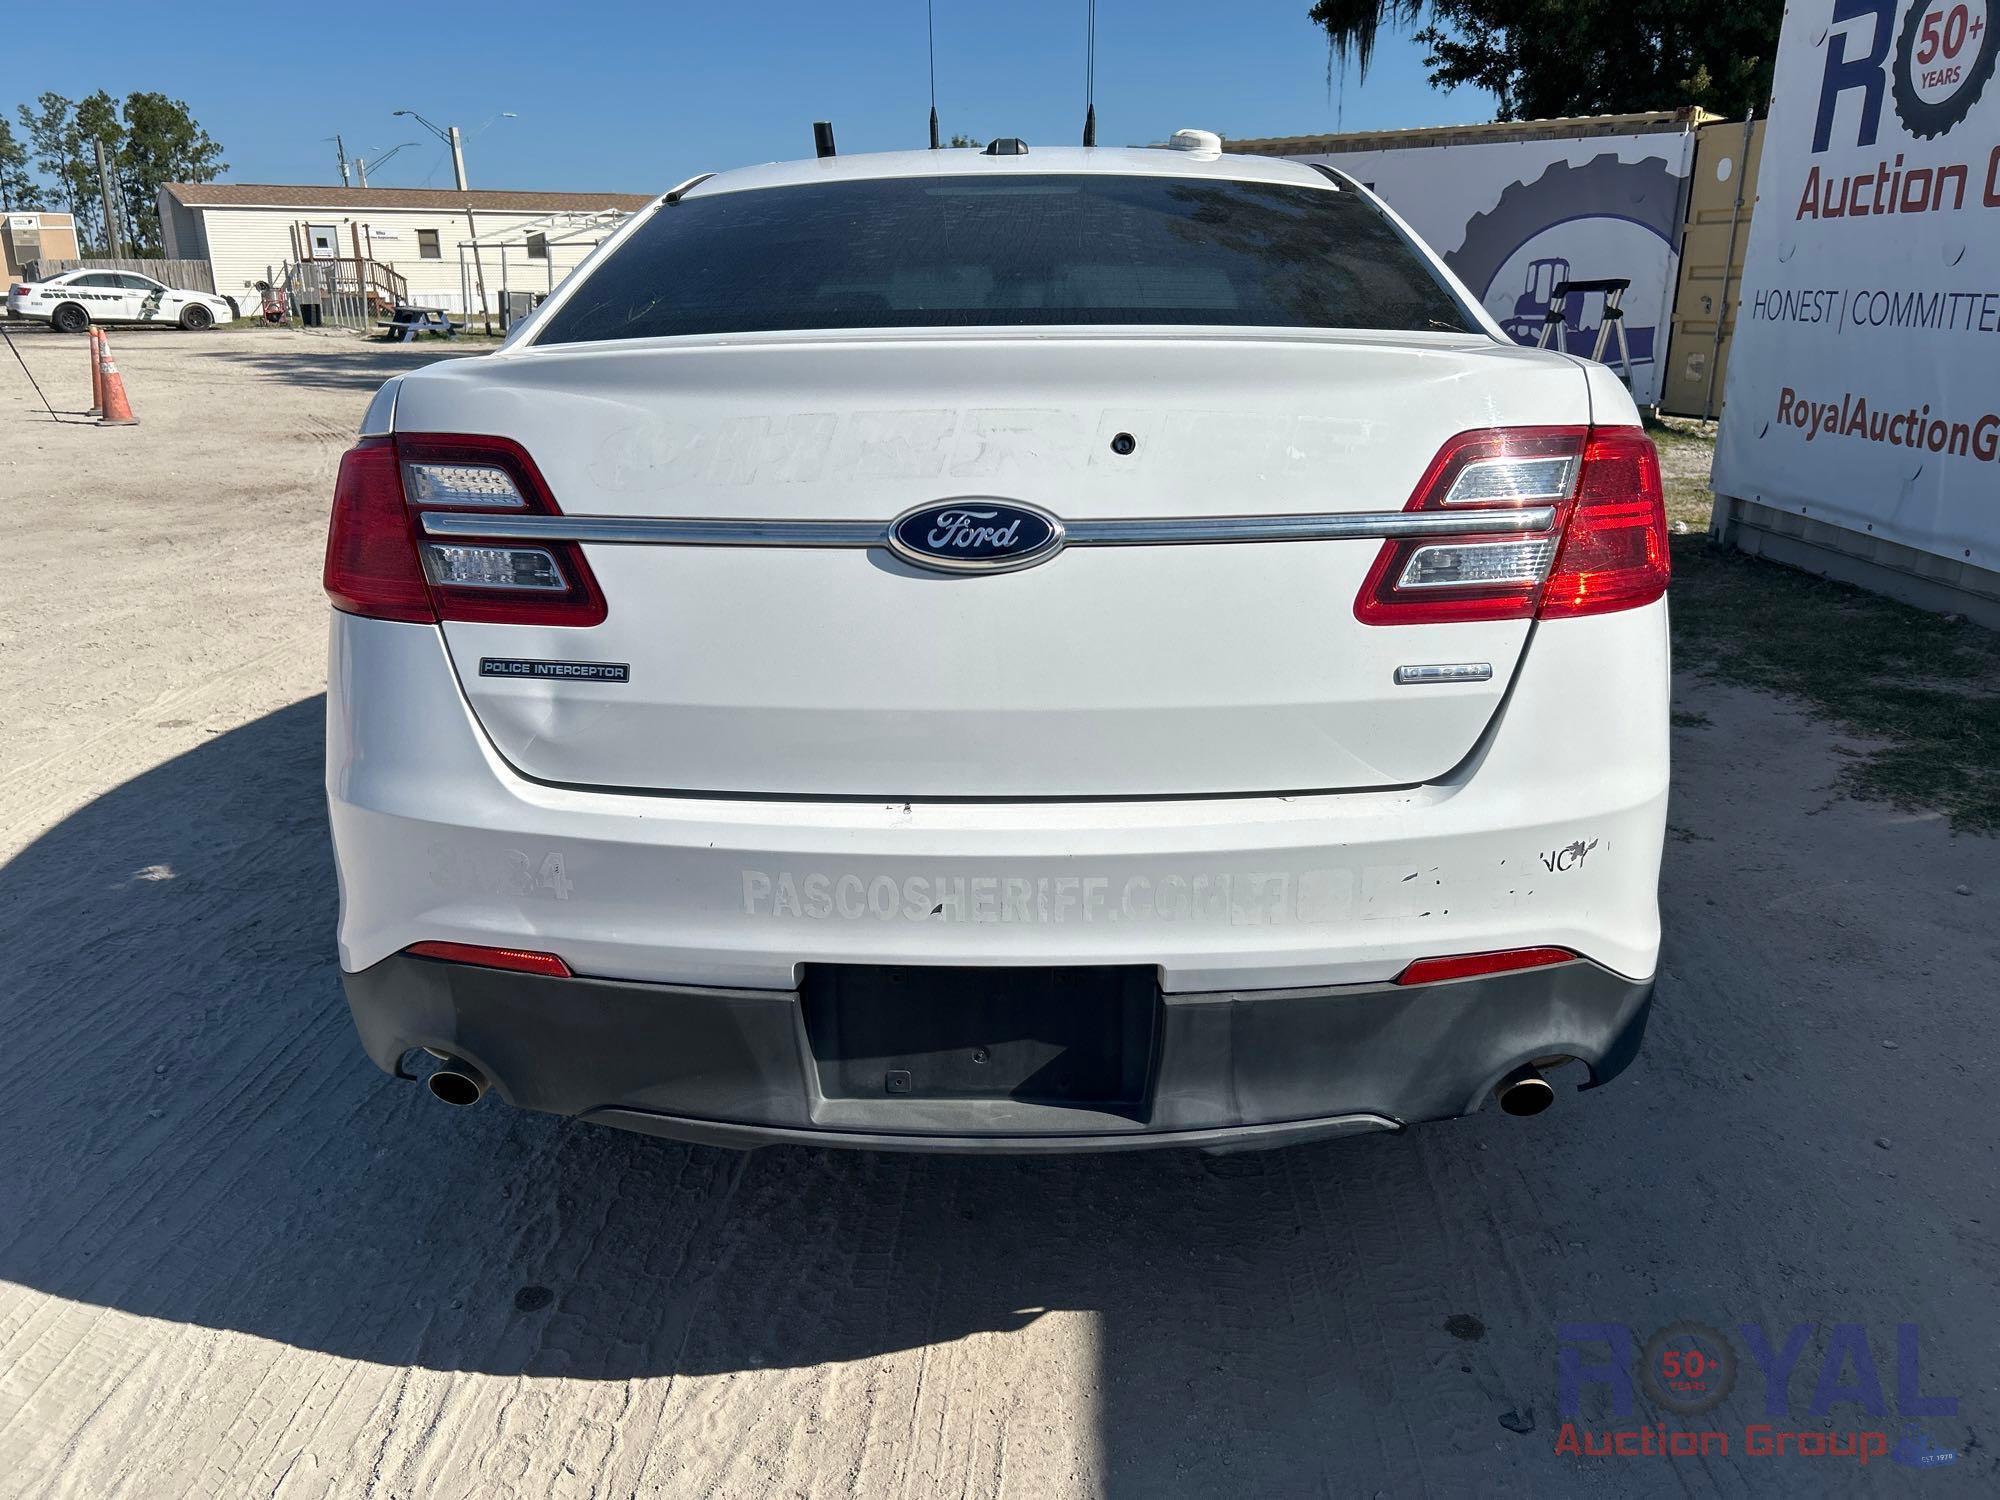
(74, 300)
(1002, 651)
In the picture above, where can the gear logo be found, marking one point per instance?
(1688, 1368)
(1944, 57)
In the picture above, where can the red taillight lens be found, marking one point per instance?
(1606, 550)
(1471, 965)
(371, 560)
(1614, 549)
(518, 960)
(380, 562)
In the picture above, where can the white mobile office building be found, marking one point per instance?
(245, 230)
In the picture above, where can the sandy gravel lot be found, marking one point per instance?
(237, 1261)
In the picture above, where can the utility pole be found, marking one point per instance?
(361, 169)
(478, 267)
(114, 240)
(340, 154)
(453, 137)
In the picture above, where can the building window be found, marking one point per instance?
(427, 245)
(538, 247)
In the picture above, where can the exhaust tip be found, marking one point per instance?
(1524, 1092)
(458, 1083)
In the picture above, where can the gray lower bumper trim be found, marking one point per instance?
(738, 1067)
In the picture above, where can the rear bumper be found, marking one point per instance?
(1230, 1068)
(1549, 834)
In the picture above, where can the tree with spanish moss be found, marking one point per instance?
(1543, 59)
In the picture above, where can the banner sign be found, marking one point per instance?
(1864, 381)
(1514, 218)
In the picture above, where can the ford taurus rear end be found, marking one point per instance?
(1074, 650)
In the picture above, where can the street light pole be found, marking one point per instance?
(451, 135)
(361, 165)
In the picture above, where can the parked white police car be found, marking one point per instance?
(1060, 650)
(74, 300)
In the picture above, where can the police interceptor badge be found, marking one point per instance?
(564, 671)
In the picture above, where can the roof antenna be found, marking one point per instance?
(930, 20)
(1090, 75)
(822, 138)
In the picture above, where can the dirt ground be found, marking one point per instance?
(236, 1260)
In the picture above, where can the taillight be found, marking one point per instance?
(1605, 548)
(1614, 549)
(371, 559)
(380, 562)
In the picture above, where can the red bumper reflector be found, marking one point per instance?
(1467, 965)
(520, 960)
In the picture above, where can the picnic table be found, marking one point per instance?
(406, 323)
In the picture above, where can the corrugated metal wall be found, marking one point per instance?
(1722, 190)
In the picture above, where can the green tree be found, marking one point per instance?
(18, 188)
(162, 144)
(51, 129)
(1547, 58)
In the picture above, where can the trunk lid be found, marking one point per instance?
(1107, 671)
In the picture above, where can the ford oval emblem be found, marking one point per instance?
(975, 535)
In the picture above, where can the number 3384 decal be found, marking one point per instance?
(502, 872)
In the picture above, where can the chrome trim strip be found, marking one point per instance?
(1360, 525)
(656, 531)
(706, 531)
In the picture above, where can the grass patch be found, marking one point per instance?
(1687, 448)
(1924, 689)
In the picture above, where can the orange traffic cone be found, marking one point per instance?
(117, 410)
(96, 378)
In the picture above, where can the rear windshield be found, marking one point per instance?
(954, 252)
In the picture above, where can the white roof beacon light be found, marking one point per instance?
(1202, 145)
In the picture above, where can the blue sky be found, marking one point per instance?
(625, 96)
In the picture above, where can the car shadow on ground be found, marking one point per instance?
(196, 1137)
(350, 364)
